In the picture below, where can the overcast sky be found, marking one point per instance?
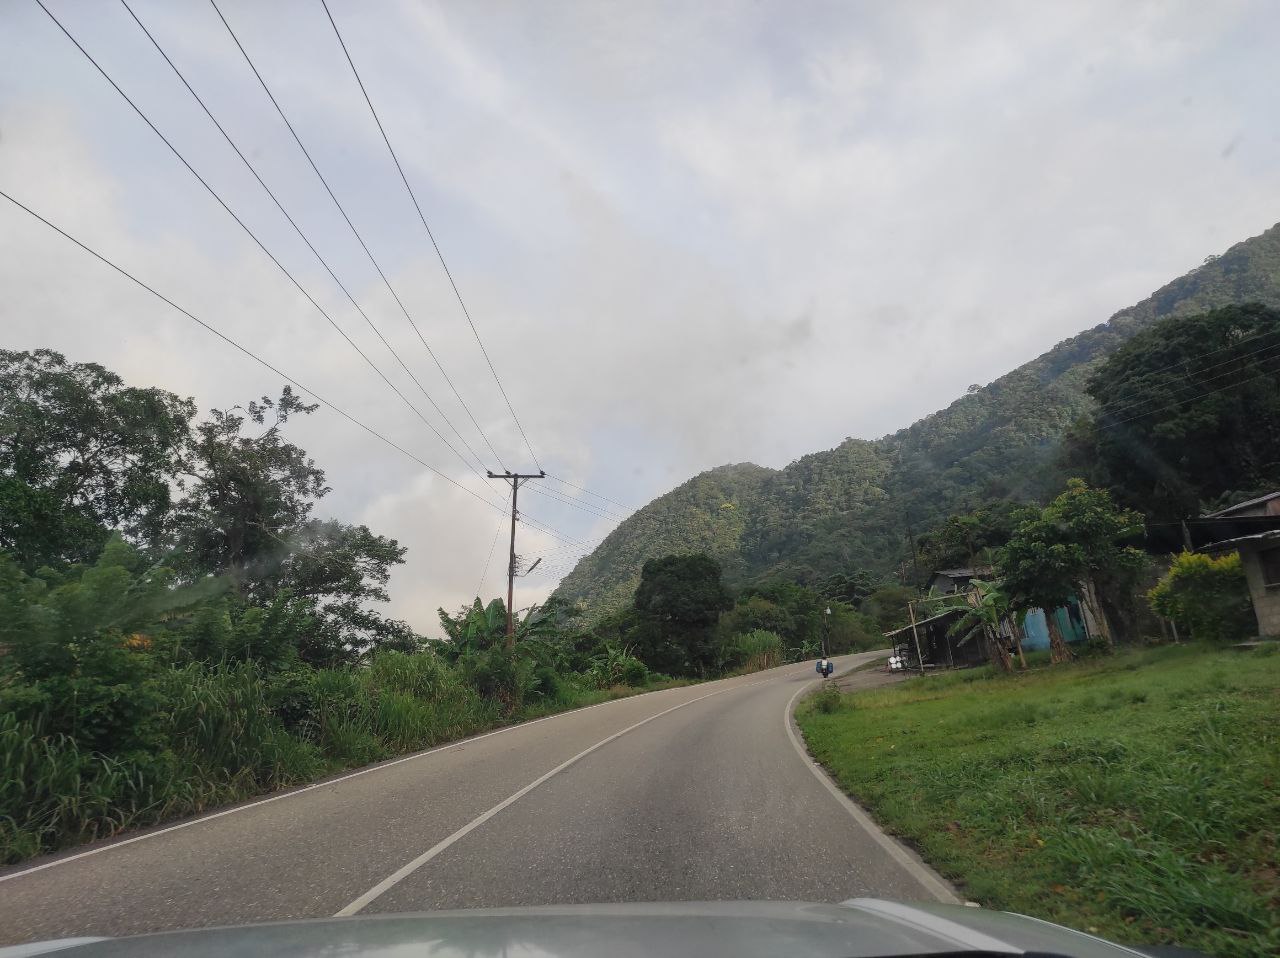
(688, 233)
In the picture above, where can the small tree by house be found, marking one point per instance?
(1056, 556)
(1207, 595)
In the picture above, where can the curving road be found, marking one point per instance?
(690, 794)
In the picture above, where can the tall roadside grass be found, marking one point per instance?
(756, 651)
(1135, 795)
(230, 732)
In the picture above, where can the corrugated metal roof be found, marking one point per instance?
(1242, 505)
(933, 618)
(965, 573)
(1274, 534)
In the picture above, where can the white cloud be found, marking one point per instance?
(689, 234)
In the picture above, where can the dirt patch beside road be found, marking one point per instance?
(868, 678)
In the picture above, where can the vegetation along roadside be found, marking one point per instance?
(1136, 795)
(179, 630)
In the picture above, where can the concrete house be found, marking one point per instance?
(1260, 556)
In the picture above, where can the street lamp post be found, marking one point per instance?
(826, 634)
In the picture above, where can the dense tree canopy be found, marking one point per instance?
(245, 493)
(806, 620)
(968, 538)
(1056, 555)
(1188, 410)
(678, 604)
(83, 457)
(81, 454)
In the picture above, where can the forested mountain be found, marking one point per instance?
(856, 506)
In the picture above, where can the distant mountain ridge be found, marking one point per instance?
(855, 505)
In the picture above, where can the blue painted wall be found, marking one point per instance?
(1069, 620)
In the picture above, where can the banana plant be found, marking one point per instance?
(475, 627)
(478, 627)
(990, 608)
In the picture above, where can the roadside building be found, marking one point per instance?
(1268, 505)
(1251, 528)
(951, 581)
(931, 639)
(1260, 556)
(1071, 619)
(1261, 514)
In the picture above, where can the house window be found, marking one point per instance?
(1270, 562)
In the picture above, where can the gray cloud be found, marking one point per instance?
(690, 234)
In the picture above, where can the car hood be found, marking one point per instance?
(856, 928)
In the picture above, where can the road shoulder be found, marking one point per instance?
(933, 884)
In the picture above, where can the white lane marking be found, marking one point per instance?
(303, 789)
(410, 867)
(931, 883)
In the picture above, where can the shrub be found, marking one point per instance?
(828, 700)
(616, 665)
(634, 672)
(552, 687)
(1207, 595)
(756, 650)
(500, 675)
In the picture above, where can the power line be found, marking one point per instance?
(355, 232)
(431, 236)
(1186, 386)
(590, 493)
(251, 234)
(1182, 365)
(283, 375)
(297, 229)
(543, 527)
(556, 561)
(248, 352)
(1212, 352)
(492, 547)
(1183, 402)
(557, 565)
(564, 550)
(584, 507)
(1119, 407)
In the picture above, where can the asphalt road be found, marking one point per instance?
(690, 794)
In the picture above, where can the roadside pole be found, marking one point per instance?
(911, 610)
(515, 478)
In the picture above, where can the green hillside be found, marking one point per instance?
(853, 506)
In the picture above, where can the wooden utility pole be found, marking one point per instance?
(911, 611)
(515, 478)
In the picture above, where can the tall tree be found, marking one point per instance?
(1054, 557)
(850, 587)
(679, 602)
(1188, 409)
(81, 454)
(968, 538)
(246, 515)
(887, 606)
(245, 493)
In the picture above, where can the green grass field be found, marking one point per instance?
(1136, 796)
